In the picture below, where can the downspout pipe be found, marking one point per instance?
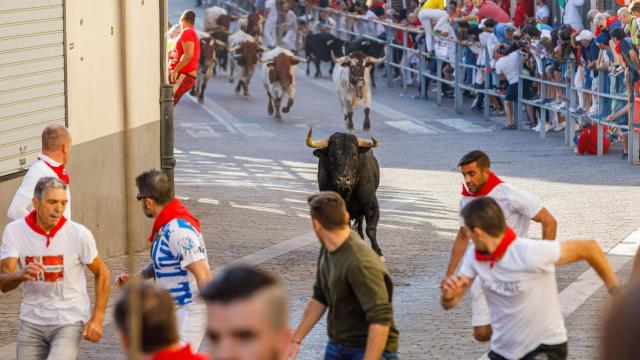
(167, 160)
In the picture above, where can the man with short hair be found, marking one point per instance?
(353, 284)
(184, 57)
(486, 9)
(52, 252)
(247, 315)
(519, 207)
(159, 337)
(56, 150)
(519, 282)
(178, 255)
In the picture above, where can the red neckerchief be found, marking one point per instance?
(491, 183)
(59, 170)
(182, 353)
(31, 221)
(173, 210)
(507, 239)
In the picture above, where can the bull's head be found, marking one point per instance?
(281, 69)
(341, 154)
(359, 65)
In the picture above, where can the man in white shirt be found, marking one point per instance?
(519, 207)
(573, 14)
(508, 66)
(178, 255)
(289, 28)
(56, 149)
(52, 252)
(269, 30)
(542, 13)
(518, 279)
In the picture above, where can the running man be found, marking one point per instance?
(184, 57)
(178, 254)
(519, 207)
(52, 253)
(519, 281)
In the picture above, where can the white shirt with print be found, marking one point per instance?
(522, 294)
(177, 245)
(60, 296)
(518, 206)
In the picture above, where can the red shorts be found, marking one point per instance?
(184, 83)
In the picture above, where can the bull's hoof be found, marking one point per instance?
(230, 80)
(246, 96)
(193, 93)
(285, 110)
(317, 75)
(200, 99)
(367, 125)
(270, 111)
(237, 91)
(278, 118)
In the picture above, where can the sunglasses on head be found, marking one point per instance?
(142, 196)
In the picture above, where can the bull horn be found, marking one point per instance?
(339, 60)
(317, 143)
(262, 47)
(233, 49)
(368, 143)
(221, 43)
(302, 60)
(377, 61)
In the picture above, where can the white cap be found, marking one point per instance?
(545, 34)
(584, 35)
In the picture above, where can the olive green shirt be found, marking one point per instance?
(356, 287)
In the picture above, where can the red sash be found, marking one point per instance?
(173, 210)
(31, 221)
(508, 238)
(491, 183)
(59, 170)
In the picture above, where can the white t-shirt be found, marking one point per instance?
(21, 203)
(522, 294)
(60, 297)
(176, 245)
(573, 15)
(273, 10)
(542, 12)
(509, 66)
(518, 206)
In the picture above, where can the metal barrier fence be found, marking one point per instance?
(344, 23)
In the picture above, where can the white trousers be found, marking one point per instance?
(426, 17)
(269, 32)
(192, 323)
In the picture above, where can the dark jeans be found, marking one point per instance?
(546, 352)
(335, 351)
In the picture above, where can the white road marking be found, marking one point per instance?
(277, 175)
(296, 164)
(182, 198)
(298, 201)
(273, 167)
(188, 170)
(250, 129)
(199, 130)
(290, 190)
(258, 208)
(218, 113)
(228, 173)
(176, 151)
(209, 201)
(253, 159)
(463, 125)
(410, 127)
(202, 153)
(628, 246)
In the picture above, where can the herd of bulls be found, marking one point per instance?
(346, 163)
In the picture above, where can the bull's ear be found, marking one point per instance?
(320, 153)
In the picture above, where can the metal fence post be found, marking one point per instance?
(569, 122)
(544, 113)
(632, 147)
(423, 79)
(487, 78)
(517, 109)
(389, 59)
(438, 82)
(457, 91)
(403, 71)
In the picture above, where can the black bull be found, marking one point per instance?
(347, 166)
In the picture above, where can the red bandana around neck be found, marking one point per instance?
(59, 170)
(508, 238)
(491, 183)
(31, 221)
(173, 210)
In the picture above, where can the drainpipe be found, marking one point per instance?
(167, 161)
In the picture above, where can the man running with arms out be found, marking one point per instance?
(52, 252)
(354, 284)
(178, 254)
(519, 281)
(184, 57)
(519, 207)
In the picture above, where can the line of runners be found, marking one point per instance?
(243, 311)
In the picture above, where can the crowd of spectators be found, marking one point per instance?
(600, 51)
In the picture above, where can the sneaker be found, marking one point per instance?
(475, 103)
(559, 127)
(397, 78)
(498, 112)
(624, 155)
(561, 107)
(536, 128)
(613, 139)
(509, 127)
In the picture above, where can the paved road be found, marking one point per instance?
(247, 177)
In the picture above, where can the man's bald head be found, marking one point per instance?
(54, 137)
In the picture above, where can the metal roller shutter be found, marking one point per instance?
(32, 78)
